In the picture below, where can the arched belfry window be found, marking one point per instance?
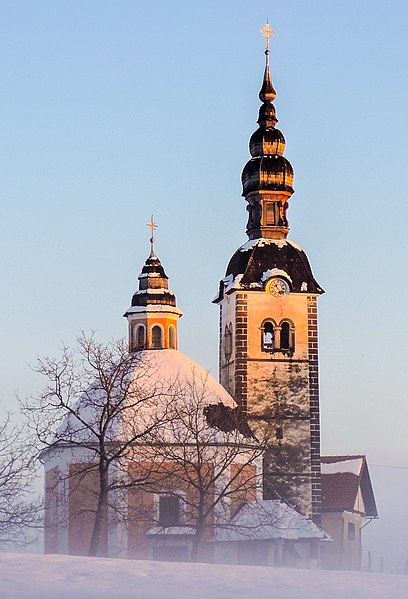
(278, 338)
(157, 337)
(172, 337)
(268, 336)
(287, 337)
(141, 337)
(228, 341)
(138, 337)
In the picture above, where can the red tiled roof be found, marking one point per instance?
(339, 490)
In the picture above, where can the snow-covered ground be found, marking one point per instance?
(29, 576)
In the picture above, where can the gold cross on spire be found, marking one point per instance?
(267, 32)
(152, 226)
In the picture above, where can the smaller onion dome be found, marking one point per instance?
(267, 173)
(267, 141)
(153, 285)
(267, 115)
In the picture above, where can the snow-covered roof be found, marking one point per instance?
(166, 388)
(261, 241)
(166, 367)
(342, 478)
(259, 259)
(153, 308)
(269, 519)
(352, 466)
(171, 530)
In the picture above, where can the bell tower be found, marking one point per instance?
(153, 315)
(268, 358)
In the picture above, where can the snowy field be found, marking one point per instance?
(26, 576)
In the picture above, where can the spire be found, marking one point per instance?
(152, 226)
(267, 178)
(267, 92)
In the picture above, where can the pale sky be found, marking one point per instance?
(114, 110)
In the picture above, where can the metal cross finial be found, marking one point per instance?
(267, 32)
(152, 226)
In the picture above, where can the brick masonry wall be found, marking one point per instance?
(241, 353)
(313, 353)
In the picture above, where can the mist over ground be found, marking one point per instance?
(51, 576)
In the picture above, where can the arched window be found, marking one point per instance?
(287, 337)
(157, 337)
(268, 336)
(138, 337)
(172, 337)
(141, 337)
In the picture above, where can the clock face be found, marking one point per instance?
(278, 287)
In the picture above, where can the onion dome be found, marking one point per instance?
(267, 170)
(267, 173)
(267, 140)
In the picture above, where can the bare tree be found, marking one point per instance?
(128, 436)
(20, 512)
(89, 408)
(210, 467)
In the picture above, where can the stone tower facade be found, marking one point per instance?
(268, 356)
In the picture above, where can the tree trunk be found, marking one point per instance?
(99, 539)
(197, 540)
(199, 529)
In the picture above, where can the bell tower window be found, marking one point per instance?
(268, 336)
(287, 337)
(157, 337)
(140, 337)
(138, 340)
(172, 337)
(278, 338)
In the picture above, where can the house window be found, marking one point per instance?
(169, 510)
(228, 341)
(172, 337)
(268, 336)
(157, 337)
(351, 531)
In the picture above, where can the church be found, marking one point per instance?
(283, 505)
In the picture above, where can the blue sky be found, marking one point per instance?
(114, 110)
